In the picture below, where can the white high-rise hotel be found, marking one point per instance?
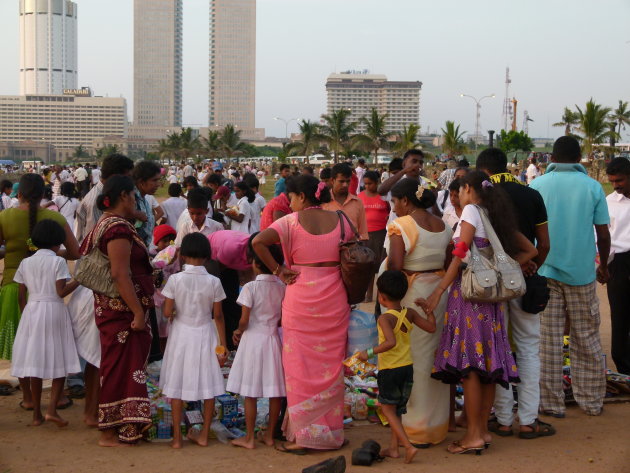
(48, 46)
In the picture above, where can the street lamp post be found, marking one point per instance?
(478, 115)
(286, 124)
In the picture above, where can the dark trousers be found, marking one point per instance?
(156, 353)
(619, 299)
(231, 310)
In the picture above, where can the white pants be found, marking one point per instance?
(525, 331)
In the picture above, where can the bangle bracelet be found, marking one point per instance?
(370, 352)
(275, 273)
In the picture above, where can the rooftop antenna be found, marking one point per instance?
(507, 104)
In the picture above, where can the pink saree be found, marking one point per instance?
(315, 315)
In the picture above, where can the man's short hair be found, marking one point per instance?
(566, 149)
(414, 152)
(284, 166)
(618, 166)
(115, 164)
(341, 168)
(197, 199)
(493, 160)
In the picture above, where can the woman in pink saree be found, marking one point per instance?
(315, 315)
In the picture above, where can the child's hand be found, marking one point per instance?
(362, 355)
(236, 336)
(222, 359)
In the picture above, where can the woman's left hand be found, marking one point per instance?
(429, 305)
(288, 276)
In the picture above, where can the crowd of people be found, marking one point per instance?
(215, 268)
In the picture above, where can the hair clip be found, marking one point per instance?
(320, 187)
(485, 184)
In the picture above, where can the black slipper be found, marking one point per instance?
(295, 451)
(25, 408)
(66, 405)
(6, 390)
(332, 465)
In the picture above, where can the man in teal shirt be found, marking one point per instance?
(575, 203)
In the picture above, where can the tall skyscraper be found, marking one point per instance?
(233, 64)
(359, 92)
(48, 46)
(157, 71)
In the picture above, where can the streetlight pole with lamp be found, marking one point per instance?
(286, 124)
(478, 115)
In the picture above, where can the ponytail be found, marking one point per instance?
(31, 190)
(249, 193)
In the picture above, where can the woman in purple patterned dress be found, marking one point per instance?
(474, 345)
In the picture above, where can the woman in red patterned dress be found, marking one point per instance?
(124, 411)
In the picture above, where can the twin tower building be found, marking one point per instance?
(48, 58)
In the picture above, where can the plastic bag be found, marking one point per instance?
(362, 333)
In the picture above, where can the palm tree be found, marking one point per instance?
(80, 153)
(453, 144)
(569, 120)
(593, 125)
(211, 146)
(336, 130)
(187, 145)
(310, 139)
(621, 116)
(165, 150)
(407, 139)
(376, 135)
(231, 144)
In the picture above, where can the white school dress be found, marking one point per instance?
(257, 369)
(245, 208)
(86, 335)
(190, 369)
(257, 207)
(44, 343)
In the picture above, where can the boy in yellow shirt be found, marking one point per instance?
(395, 365)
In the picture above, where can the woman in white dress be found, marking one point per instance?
(257, 370)
(242, 217)
(44, 344)
(191, 368)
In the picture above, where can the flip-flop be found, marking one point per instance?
(25, 408)
(294, 451)
(66, 405)
(6, 390)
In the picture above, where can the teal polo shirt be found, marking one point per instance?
(575, 203)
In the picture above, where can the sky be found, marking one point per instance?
(560, 53)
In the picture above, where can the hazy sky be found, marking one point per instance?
(559, 53)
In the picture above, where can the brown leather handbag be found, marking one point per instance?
(357, 263)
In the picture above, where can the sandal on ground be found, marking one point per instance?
(495, 428)
(6, 390)
(25, 408)
(557, 415)
(65, 405)
(295, 451)
(539, 429)
(76, 392)
(463, 450)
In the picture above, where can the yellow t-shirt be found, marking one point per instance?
(15, 230)
(400, 355)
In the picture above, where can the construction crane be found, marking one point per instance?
(526, 120)
(507, 106)
(514, 105)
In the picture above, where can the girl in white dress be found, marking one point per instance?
(67, 203)
(257, 369)
(191, 368)
(242, 217)
(44, 344)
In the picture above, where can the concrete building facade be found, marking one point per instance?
(233, 65)
(157, 74)
(360, 92)
(48, 46)
(62, 121)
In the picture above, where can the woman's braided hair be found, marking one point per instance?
(32, 190)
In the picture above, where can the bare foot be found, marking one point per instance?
(38, 420)
(57, 420)
(90, 421)
(195, 436)
(177, 443)
(243, 442)
(265, 437)
(388, 452)
(410, 452)
(452, 427)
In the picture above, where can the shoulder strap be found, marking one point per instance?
(342, 215)
(497, 247)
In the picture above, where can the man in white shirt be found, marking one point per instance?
(198, 220)
(360, 170)
(81, 178)
(188, 171)
(619, 269)
(532, 171)
(174, 206)
(96, 175)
